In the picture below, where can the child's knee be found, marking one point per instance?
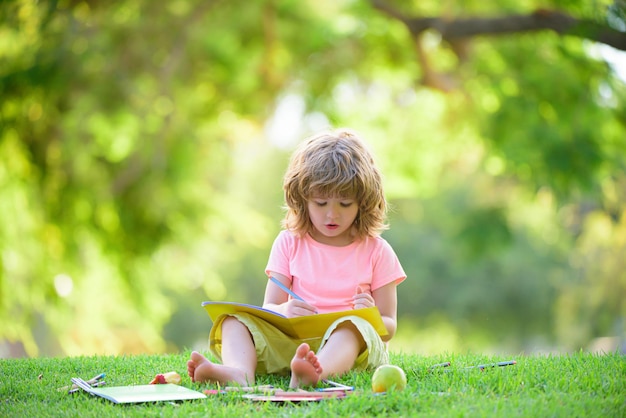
(350, 330)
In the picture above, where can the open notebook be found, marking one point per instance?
(310, 326)
(142, 393)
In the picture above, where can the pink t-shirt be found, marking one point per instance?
(327, 276)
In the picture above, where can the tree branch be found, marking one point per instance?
(541, 19)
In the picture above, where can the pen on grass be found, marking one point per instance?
(286, 289)
(336, 387)
(439, 365)
(94, 381)
(499, 364)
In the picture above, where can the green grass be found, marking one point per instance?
(577, 385)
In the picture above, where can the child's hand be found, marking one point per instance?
(362, 298)
(295, 307)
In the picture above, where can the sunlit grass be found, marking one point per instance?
(567, 385)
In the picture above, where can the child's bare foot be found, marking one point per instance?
(305, 367)
(200, 369)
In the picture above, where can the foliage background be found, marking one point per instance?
(142, 146)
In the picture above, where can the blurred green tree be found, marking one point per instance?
(142, 146)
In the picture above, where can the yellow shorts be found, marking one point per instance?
(275, 350)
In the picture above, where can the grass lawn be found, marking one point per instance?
(577, 385)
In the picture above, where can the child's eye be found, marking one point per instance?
(346, 204)
(320, 203)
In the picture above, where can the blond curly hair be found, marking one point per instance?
(334, 164)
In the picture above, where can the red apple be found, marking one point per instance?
(163, 378)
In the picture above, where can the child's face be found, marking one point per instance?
(332, 219)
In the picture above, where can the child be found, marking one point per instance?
(329, 253)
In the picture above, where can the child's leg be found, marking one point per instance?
(336, 357)
(238, 358)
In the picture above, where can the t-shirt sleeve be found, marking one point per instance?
(280, 255)
(387, 267)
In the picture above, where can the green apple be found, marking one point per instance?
(387, 378)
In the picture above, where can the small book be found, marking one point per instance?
(145, 393)
(310, 326)
(300, 396)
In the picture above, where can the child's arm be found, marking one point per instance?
(278, 301)
(386, 299)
